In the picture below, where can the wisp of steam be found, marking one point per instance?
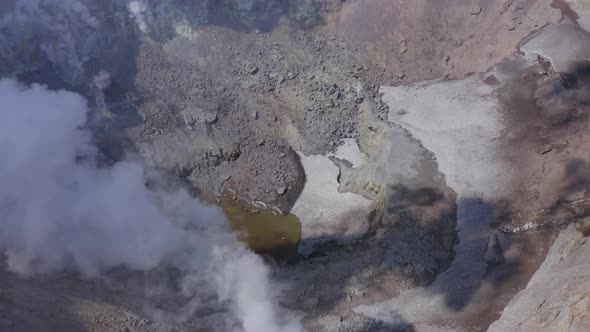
(60, 210)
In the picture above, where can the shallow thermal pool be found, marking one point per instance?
(264, 231)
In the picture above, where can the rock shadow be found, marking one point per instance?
(409, 242)
(400, 253)
(490, 266)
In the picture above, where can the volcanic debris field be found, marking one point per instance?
(289, 166)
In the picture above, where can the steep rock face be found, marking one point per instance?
(557, 298)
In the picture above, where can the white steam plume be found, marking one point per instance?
(137, 10)
(63, 30)
(101, 82)
(59, 210)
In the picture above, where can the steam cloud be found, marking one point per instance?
(137, 9)
(59, 210)
(29, 28)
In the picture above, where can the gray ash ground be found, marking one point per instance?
(225, 107)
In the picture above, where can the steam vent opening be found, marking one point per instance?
(290, 166)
